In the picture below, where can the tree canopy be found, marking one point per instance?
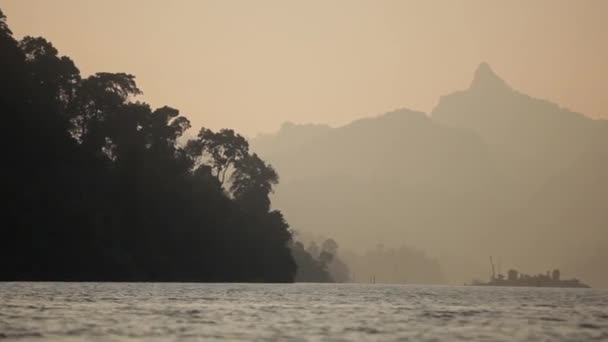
(99, 186)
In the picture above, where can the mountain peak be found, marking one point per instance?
(486, 78)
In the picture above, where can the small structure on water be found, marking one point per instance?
(514, 278)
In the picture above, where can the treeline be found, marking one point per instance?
(320, 264)
(97, 187)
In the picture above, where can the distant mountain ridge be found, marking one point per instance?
(491, 171)
(521, 125)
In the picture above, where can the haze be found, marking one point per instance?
(422, 170)
(253, 65)
(412, 139)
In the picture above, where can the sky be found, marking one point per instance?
(252, 65)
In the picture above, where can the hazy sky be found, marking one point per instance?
(251, 65)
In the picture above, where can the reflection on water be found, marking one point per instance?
(102, 311)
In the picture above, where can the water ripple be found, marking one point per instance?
(298, 312)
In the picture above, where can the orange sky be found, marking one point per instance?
(251, 65)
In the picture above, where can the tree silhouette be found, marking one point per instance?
(221, 150)
(252, 182)
(101, 189)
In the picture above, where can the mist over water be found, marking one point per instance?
(298, 312)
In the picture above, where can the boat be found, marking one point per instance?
(515, 278)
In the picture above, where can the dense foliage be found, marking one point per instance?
(97, 187)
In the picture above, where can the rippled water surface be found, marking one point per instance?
(114, 311)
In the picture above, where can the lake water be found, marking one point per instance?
(324, 312)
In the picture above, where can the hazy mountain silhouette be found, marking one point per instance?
(554, 163)
(475, 178)
(532, 138)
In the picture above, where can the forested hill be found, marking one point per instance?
(95, 186)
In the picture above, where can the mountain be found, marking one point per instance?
(491, 171)
(387, 145)
(532, 138)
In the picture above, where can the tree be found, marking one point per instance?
(309, 268)
(97, 98)
(252, 182)
(330, 246)
(3, 26)
(221, 150)
(56, 76)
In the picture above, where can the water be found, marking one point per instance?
(324, 312)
